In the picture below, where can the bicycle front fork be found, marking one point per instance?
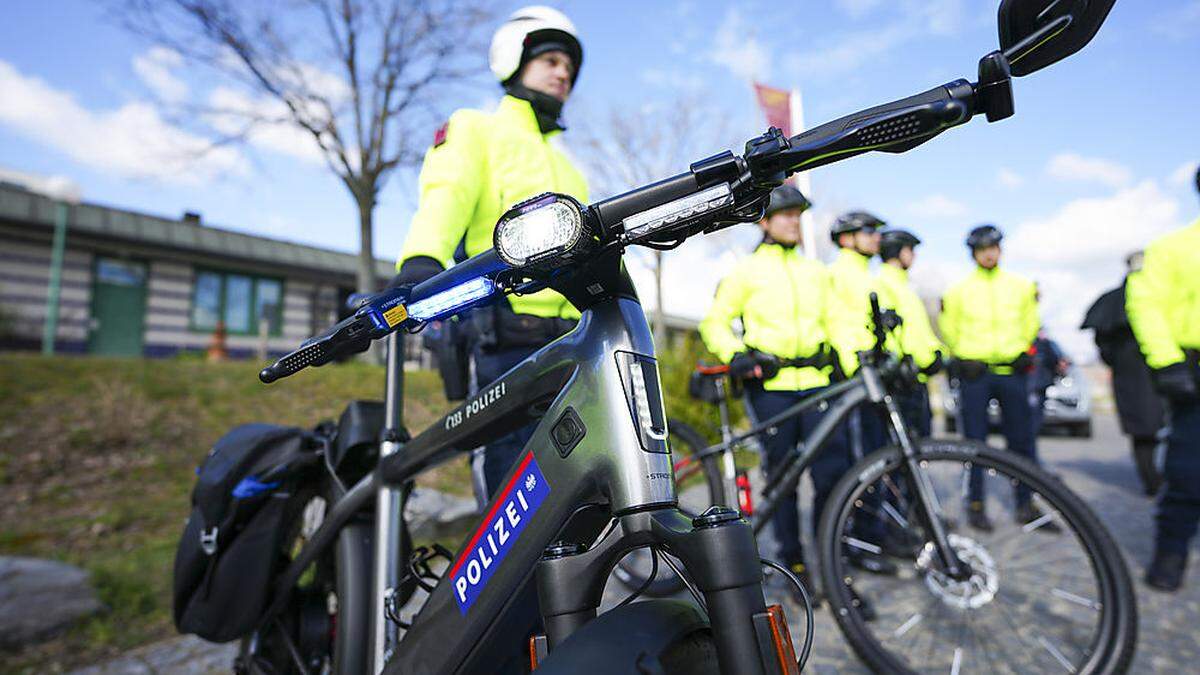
(718, 552)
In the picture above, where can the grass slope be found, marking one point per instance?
(97, 460)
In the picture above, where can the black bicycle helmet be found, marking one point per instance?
(893, 241)
(984, 236)
(787, 197)
(853, 222)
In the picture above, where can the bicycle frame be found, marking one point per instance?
(866, 385)
(565, 488)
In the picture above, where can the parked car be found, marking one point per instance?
(1068, 406)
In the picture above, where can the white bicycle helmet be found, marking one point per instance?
(528, 32)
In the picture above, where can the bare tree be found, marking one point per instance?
(626, 146)
(365, 80)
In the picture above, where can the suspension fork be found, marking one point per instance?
(918, 479)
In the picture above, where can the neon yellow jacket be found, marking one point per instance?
(991, 316)
(852, 282)
(915, 334)
(484, 164)
(783, 299)
(1163, 300)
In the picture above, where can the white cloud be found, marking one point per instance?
(132, 140)
(281, 137)
(905, 21)
(155, 69)
(1009, 178)
(57, 186)
(1096, 229)
(736, 48)
(1183, 175)
(1073, 167)
(938, 206)
(1077, 252)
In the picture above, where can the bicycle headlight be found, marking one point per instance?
(547, 228)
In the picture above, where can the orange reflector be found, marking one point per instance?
(533, 660)
(783, 641)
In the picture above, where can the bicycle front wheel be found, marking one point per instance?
(1045, 588)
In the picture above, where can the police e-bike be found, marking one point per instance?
(595, 481)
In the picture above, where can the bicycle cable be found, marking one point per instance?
(686, 582)
(808, 610)
(645, 584)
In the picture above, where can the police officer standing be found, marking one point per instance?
(479, 166)
(1163, 303)
(914, 337)
(989, 321)
(783, 300)
(857, 236)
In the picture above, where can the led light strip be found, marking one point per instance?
(445, 302)
(707, 200)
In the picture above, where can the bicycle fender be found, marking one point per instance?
(626, 640)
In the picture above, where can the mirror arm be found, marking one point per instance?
(993, 91)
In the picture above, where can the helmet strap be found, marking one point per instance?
(546, 108)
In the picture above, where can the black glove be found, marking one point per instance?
(935, 366)
(1023, 363)
(1176, 381)
(744, 366)
(768, 362)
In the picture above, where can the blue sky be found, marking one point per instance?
(1095, 162)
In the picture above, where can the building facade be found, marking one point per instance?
(140, 285)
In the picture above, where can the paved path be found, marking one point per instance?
(1100, 469)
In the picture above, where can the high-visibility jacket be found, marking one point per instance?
(915, 334)
(480, 165)
(852, 282)
(991, 316)
(1163, 299)
(783, 301)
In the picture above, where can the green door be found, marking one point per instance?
(118, 308)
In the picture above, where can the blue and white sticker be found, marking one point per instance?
(503, 524)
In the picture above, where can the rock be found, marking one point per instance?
(433, 514)
(41, 597)
(186, 655)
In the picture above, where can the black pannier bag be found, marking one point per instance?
(703, 387)
(232, 546)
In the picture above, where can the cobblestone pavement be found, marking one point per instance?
(1100, 469)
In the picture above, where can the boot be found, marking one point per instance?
(977, 517)
(1166, 572)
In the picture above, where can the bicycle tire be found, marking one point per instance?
(685, 442)
(1114, 642)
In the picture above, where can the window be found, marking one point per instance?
(238, 299)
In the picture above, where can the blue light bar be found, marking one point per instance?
(447, 301)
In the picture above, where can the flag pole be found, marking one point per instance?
(803, 182)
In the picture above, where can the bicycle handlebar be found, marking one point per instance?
(892, 127)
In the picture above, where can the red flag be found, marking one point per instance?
(776, 105)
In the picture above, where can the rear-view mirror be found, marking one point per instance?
(1037, 33)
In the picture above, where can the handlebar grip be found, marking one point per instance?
(315, 352)
(891, 127)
